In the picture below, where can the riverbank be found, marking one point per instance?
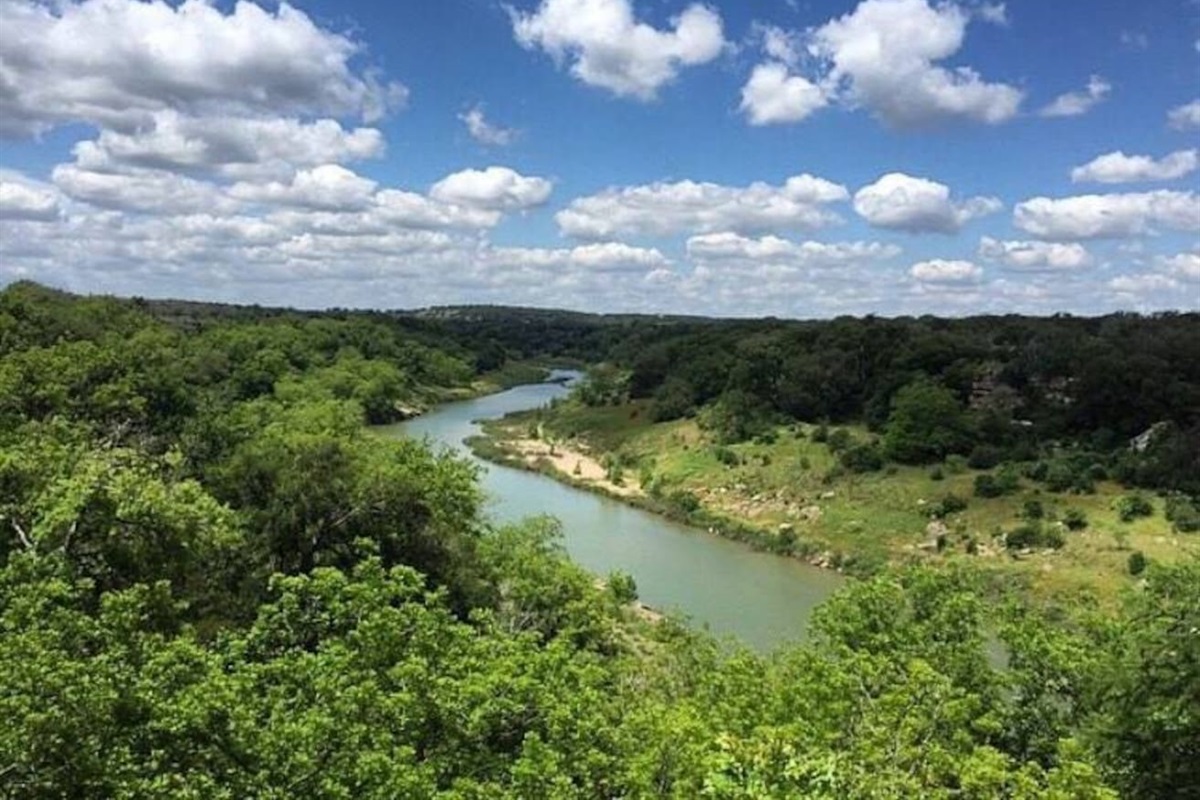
(786, 494)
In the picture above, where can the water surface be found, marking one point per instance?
(762, 599)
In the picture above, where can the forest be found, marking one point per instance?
(217, 582)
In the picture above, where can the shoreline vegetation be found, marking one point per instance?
(673, 470)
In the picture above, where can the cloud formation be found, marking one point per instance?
(663, 209)
(494, 188)
(918, 205)
(1107, 216)
(607, 47)
(1116, 167)
(885, 56)
(484, 132)
(1035, 256)
(1074, 104)
(1185, 117)
(114, 63)
(949, 272)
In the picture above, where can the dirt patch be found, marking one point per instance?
(572, 462)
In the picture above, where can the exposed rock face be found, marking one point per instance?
(1141, 442)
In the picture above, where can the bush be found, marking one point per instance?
(839, 440)
(862, 458)
(1003, 482)
(726, 456)
(1137, 562)
(1032, 509)
(622, 587)
(949, 504)
(985, 456)
(684, 500)
(821, 434)
(1133, 506)
(1075, 519)
(1033, 534)
(1182, 513)
(936, 474)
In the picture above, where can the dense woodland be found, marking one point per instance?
(217, 581)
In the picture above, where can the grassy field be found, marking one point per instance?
(792, 487)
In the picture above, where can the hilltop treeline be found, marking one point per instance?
(216, 582)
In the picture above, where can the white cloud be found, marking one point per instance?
(412, 210)
(24, 199)
(485, 132)
(146, 190)
(602, 257)
(232, 146)
(1185, 117)
(903, 202)
(1100, 216)
(1074, 104)
(771, 96)
(494, 188)
(113, 63)
(1035, 256)
(1117, 167)
(662, 209)
(607, 47)
(329, 187)
(732, 247)
(950, 272)
(885, 54)
(1142, 284)
(1182, 265)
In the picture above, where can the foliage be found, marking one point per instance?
(1132, 506)
(927, 423)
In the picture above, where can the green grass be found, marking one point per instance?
(877, 517)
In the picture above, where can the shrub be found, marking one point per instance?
(1075, 519)
(839, 440)
(985, 456)
(998, 485)
(936, 474)
(1033, 534)
(684, 500)
(821, 434)
(1133, 506)
(862, 458)
(1137, 562)
(949, 504)
(726, 456)
(1032, 509)
(1182, 513)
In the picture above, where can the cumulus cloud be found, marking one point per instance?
(1185, 117)
(113, 63)
(230, 146)
(1074, 104)
(485, 132)
(1142, 284)
(662, 209)
(903, 202)
(939, 271)
(601, 257)
(1182, 265)
(494, 188)
(1100, 216)
(146, 190)
(329, 187)
(607, 47)
(1035, 256)
(726, 246)
(1117, 167)
(884, 54)
(23, 199)
(772, 95)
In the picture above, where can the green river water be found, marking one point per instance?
(762, 599)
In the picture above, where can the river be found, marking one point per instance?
(761, 599)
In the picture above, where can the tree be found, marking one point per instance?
(926, 424)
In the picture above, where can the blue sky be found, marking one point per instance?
(786, 158)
